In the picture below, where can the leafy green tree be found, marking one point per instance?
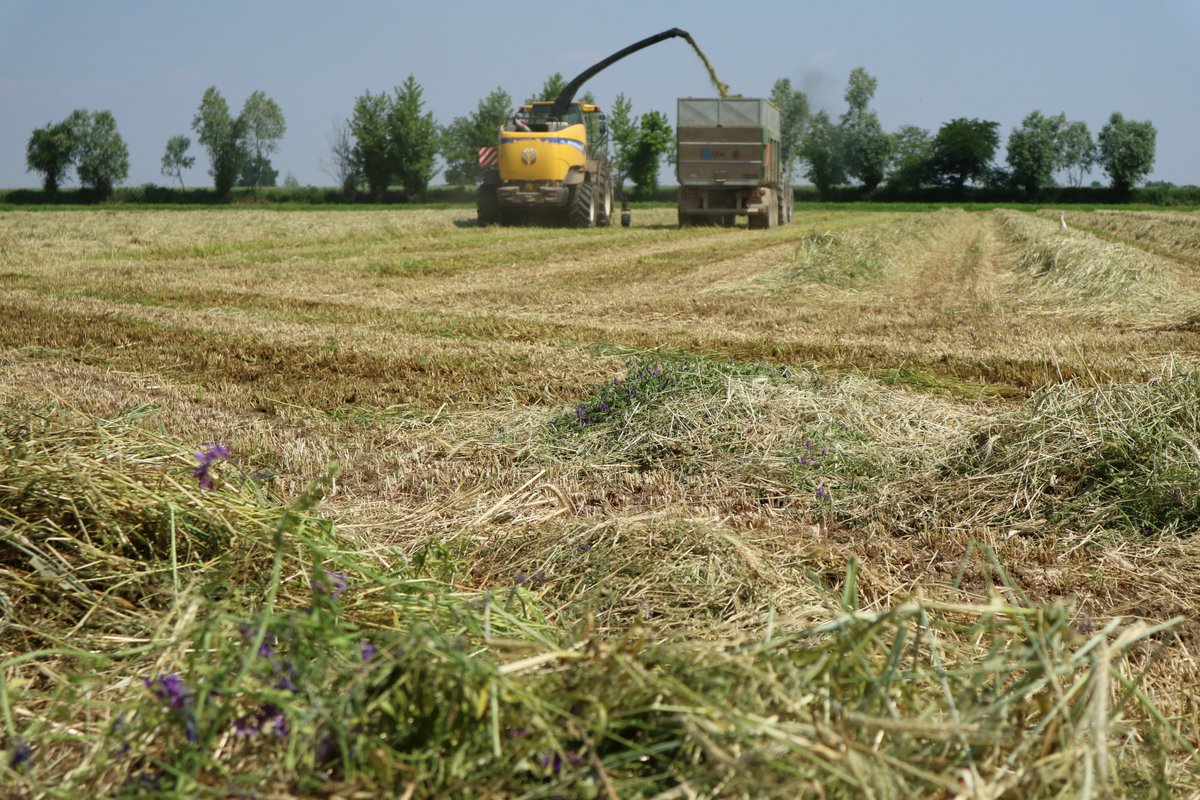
(822, 151)
(1126, 151)
(263, 126)
(793, 117)
(623, 131)
(552, 87)
(963, 150)
(1035, 151)
(257, 171)
(912, 152)
(372, 150)
(102, 158)
(221, 135)
(463, 137)
(51, 150)
(655, 138)
(868, 150)
(1079, 152)
(413, 138)
(175, 160)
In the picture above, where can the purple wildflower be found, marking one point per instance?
(170, 689)
(331, 583)
(367, 650)
(520, 579)
(244, 726)
(206, 458)
(822, 493)
(20, 754)
(553, 762)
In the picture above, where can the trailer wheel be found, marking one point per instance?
(582, 211)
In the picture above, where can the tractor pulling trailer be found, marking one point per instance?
(727, 162)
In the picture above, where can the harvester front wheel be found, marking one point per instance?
(487, 207)
(582, 211)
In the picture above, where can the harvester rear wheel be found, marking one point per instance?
(582, 211)
(487, 207)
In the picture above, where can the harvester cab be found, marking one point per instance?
(551, 163)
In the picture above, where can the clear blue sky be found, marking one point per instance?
(150, 62)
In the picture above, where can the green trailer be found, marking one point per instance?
(727, 162)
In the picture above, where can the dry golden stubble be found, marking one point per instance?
(1171, 234)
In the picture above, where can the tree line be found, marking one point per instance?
(390, 139)
(856, 149)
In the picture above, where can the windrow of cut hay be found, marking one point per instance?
(1172, 234)
(727, 438)
(299, 664)
(1121, 458)
(1073, 272)
(850, 258)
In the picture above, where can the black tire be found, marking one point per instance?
(581, 213)
(604, 207)
(626, 219)
(487, 207)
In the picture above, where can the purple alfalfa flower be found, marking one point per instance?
(554, 762)
(170, 689)
(19, 755)
(244, 726)
(822, 493)
(367, 650)
(205, 458)
(330, 583)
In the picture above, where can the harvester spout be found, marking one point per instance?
(563, 101)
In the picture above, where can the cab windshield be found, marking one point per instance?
(540, 114)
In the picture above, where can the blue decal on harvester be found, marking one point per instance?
(578, 145)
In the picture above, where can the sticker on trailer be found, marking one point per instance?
(488, 157)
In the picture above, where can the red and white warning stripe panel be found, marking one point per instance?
(488, 157)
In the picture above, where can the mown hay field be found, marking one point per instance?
(368, 502)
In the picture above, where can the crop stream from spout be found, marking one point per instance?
(722, 88)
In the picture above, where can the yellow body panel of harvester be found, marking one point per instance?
(536, 156)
